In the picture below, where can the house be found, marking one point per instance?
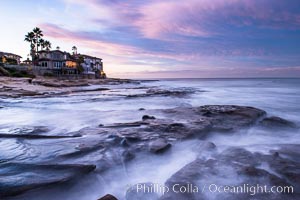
(10, 58)
(91, 65)
(57, 62)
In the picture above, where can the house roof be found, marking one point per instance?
(70, 56)
(9, 54)
(93, 57)
(52, 51)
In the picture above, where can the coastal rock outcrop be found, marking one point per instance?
(223, 169)
(180, 92)
(197, 122)
(32, 132)
(48, 87)
(277, 122)
(159, 145)
(14, 176)
(108, 197)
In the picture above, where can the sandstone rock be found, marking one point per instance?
(147, 117)
(277, 122)
(197, 122)
(180, 92)
(125, 125)
(108, 197)
(222, 168)
(158, 146)
(230, 117)
(15, 179)
(83, 149)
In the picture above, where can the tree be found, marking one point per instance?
(35, 38)
(41, 43)
(46, 44)
(74, 49)
(38, 34)
(30, 38)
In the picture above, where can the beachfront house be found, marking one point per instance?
(10, 58)
(92, 66)
(57, 62)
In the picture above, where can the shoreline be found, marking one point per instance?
(12, 87)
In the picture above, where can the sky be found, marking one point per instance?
(165, 38)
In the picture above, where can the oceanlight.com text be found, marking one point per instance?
(213, 188)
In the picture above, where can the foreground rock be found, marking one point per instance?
(31, 132)
(14, 176)
(158, 146)
(108, 197)
(277, 122)
(238, 167)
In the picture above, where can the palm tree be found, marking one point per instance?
(74, 49)
(38, 34)
(30, 38)
(40, 43)
(46, 45)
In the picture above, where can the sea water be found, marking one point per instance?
(72, 112)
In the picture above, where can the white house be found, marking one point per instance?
(92, 65)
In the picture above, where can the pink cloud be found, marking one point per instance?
(203, 18)
(66, 35)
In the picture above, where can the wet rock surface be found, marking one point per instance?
(198, 122)
(17, 178)
(31, 132)
(277, 122)
(160, 92)
(108, 197)
(51, 87)
(238, 162)
(159, 145)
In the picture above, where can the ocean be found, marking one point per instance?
(122, 103)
